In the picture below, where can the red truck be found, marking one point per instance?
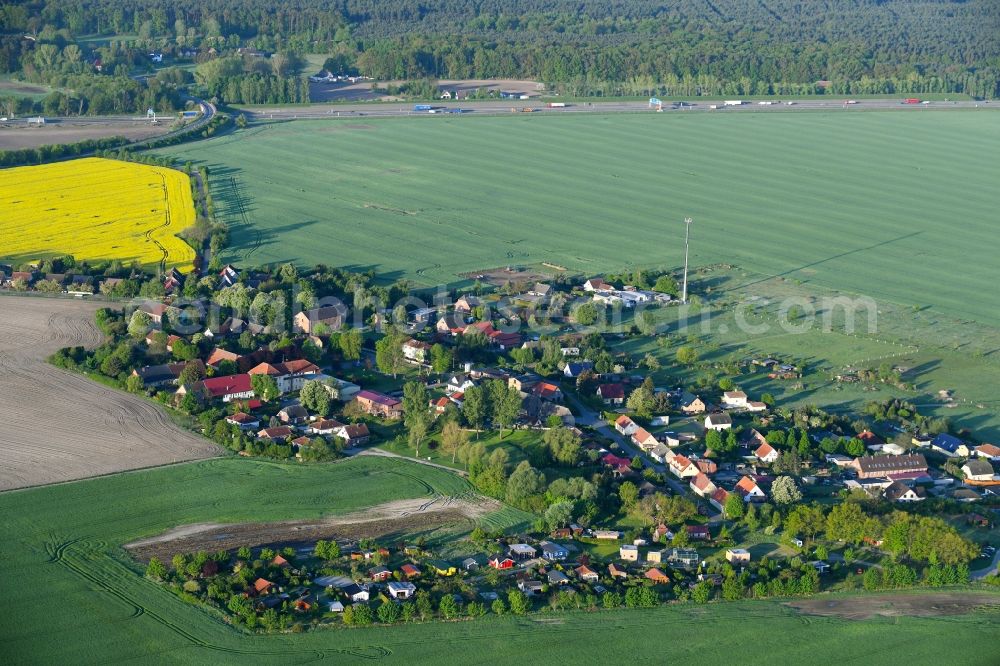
(911, 100)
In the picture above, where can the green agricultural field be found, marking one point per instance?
(72, 596)
(936, 352)
(63, 546)
(897, 205)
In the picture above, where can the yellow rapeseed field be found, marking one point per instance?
(96, 209)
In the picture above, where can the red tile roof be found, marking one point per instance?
(745, 486)
(611, 391)
(219, 355)
(218, 387)
(764, 450)
(701, 482)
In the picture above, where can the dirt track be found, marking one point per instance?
(59, 426)
(393, 517)
(893, 605)
(16, 136)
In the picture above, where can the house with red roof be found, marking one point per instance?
(586, 574)
(616, 571)
(356, 434)
(325, 427)
(718, 499)
(226, 388)
(706, 466)
(611, 394)
(988, 451)
(749, 489)
(439, 405)
(682, 467)
(378, 404)
(547, 391)
(625, 425)
(597, 284)
(702, 485)
(656, 576)
(243, 420)
(275, 434)
(870, 439)
(611, 460)
(218, 355)
(262, 586)
(409, 571)
(766, 453)
(644, 440)
(698, 532)
(501, 563)
(290, 375)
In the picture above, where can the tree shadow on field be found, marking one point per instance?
(382, 276)
(839, 255)
(277, 235)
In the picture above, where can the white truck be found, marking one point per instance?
(733, 102)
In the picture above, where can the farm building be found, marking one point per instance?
(331, 316)
(380, 405)
(871, 467)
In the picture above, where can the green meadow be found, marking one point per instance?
(71, 594)
(899, 206)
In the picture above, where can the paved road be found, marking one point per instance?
(989, 570)
(402, 109)
(208, 110)
(588, 417)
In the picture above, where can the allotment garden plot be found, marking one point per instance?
(96, 210)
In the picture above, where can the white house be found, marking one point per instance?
(401, 590)
(644, 440)
(766, 453)
(596, 284)
(978, 470)
(625, 425)
(748, 488)
(416, 351)
(661, 453)
(734, 399)
(719, 422)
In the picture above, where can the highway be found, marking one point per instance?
(207, 112)
(504, 107)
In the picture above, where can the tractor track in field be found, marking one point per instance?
(245, 219)
(84, 558)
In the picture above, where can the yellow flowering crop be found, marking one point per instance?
(96, 209)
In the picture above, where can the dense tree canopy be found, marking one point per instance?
(586, 47)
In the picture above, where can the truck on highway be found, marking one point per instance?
(911, 100)
(733, 102)
(422, 107)
(556, 105)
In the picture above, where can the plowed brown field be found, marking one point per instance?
(58, 426)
